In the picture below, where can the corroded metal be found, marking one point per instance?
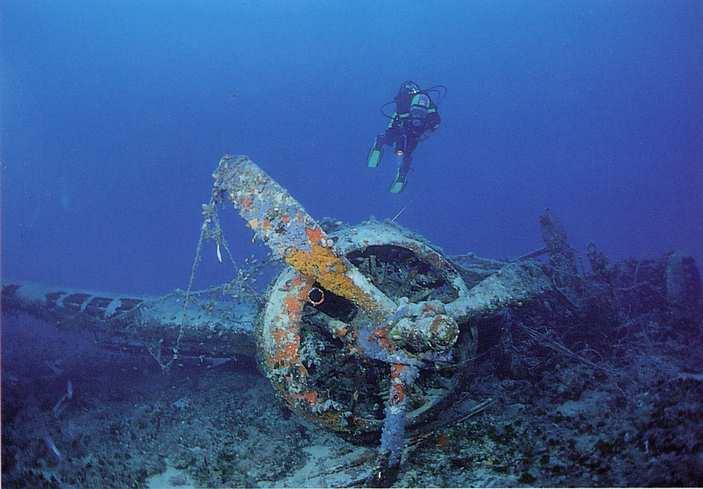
(212, 323)
(290, 324)
(383, 331)
(286, 364)
(292, 234)
(369, 328)
(426, 328)
(514, 284)
(405, 335)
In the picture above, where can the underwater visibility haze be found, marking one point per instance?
(526, 310)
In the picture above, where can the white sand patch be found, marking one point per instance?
(172, 478)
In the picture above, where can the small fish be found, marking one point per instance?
(219, 253)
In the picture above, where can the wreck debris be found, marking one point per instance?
(513, 284)
(355, 381)
(52, 449)
(379, 328)
(68, 395)
(433, 429)
(599, 262)
(215, 324)
(562, 257)
(533, 254)
(393, 434)
(282, 223)
(369, 329)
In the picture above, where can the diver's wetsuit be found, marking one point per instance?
(415, 117)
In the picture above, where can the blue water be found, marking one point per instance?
(115, 114)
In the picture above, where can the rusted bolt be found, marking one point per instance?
(316, 296)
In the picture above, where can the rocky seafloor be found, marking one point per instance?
(627, 410)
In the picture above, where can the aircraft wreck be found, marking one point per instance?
(369, 331)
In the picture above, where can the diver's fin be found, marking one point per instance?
(399, 183)
(375, 155)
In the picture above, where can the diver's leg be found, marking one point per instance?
(401, 143)
(410, 143)
(401, 175)
(376, 151)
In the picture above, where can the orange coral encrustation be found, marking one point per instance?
(330, 270)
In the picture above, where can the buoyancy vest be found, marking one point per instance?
(420, 107)
(415, 113)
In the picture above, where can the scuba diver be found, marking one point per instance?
(415, 117)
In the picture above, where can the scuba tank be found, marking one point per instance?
(403, 98)
(419, 108)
